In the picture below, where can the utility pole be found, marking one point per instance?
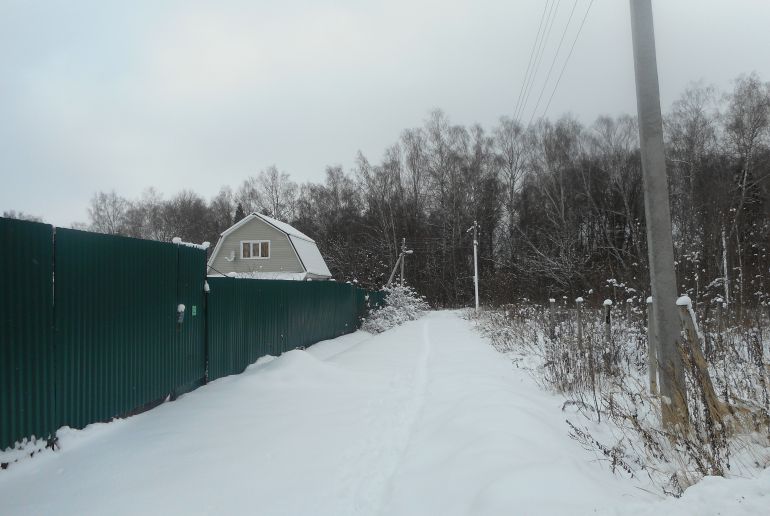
(403, 259)
(475, 229)
(400, 261)
(658, 216)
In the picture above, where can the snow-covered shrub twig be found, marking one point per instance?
(630, 437)
(401, 304)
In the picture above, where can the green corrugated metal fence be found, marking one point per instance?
(118, 344)
(248, 318)
(89, 327)
(26, 331)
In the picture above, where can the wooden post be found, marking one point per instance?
(608, 335)
(579, 303)
(552, 318)
(720, 322)
(652, 352)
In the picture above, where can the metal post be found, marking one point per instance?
(658, 217)
(403, 259)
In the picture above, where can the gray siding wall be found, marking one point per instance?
(282, 256)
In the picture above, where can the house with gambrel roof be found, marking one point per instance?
(259, 246)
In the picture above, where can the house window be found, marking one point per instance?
(255, 249)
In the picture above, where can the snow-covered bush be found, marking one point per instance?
(603, 378)
(401, 304)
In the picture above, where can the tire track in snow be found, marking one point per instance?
(420, 394)
(391, 418)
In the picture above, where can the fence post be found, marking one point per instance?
(607, 334)
(552, 318)
(720, 321)
(579, 303)
(652, 352)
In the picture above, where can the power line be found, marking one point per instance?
(539, 58)
(553, 62)
(534, 58)
(580, 29)
(531, 55)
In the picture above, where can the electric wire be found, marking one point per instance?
(553, 62)
(534, 60)
(580, 29)
(539, 57)
(531, 55)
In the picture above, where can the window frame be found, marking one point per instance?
(255, 244)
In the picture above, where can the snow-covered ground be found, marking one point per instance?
(424, 419)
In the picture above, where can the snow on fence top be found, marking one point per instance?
(178, 241)
(608, 302)
(684, 301)
(579, 300)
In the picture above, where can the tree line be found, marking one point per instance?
(560, 205)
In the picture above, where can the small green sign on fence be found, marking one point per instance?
(194, 310)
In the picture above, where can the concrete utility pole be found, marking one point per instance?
(400, 261)
(475, 229)
(658, 215)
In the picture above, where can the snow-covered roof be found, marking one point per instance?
(286, 228)
(310, 256)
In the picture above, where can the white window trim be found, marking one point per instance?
(259, 245)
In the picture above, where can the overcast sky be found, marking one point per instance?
(99, 95)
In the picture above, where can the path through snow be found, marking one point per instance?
(425, 419)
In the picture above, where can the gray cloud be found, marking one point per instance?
(95, 96)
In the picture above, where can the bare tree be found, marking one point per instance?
(278, 193)
(747, 122)
(107, 213)
(20, 215)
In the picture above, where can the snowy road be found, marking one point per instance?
(426, 419)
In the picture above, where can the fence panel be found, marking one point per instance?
(248, 318)
(26, 335)
(188, 359)
(116, 325)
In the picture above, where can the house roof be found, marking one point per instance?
(277, 224)
(310, 256)
(289, 230)
(305, 247)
